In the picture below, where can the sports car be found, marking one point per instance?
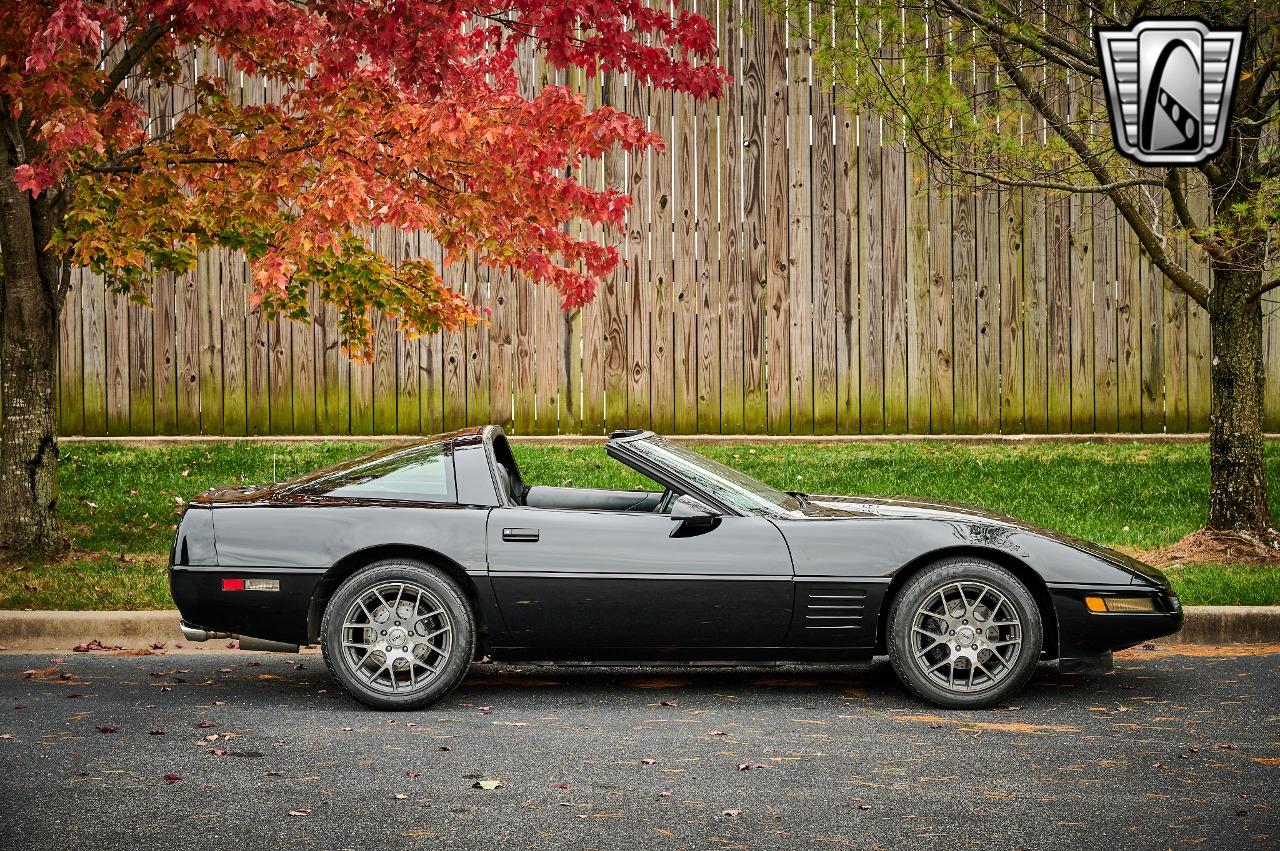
(409, 563)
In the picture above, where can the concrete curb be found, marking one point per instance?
(57, 632)
(1230, 625)
(61, 631)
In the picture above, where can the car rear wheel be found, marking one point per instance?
(964, 634)
(398, 634)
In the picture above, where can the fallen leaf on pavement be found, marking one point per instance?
(299, 813)
(172, 778)
(486, 784)
(730, 813)
(106, 728)
(648, 761)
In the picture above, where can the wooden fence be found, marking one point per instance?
(789, 271)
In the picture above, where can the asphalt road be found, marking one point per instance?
(1171, 751)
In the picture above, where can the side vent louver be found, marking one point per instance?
(835, 608)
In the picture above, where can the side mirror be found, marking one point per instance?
(692, 517)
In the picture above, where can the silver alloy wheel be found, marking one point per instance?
(396, 637)
(966, 636)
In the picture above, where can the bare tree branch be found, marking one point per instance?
(136, 52)
(1148, 238)
(1263, 290)
(1178, 195)
(1070, 62)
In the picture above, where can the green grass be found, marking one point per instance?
(1226, 585)
(121, 502)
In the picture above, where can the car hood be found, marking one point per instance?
(820, 506)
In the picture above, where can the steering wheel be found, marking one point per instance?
(664, 504)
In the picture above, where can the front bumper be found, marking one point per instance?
(1082, 633)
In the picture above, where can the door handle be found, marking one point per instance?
(520, 536)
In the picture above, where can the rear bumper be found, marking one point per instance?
(1082, 633)
(278, 616)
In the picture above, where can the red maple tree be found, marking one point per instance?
(405, 113)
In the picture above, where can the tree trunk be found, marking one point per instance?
(1238, 483)
(32, 294)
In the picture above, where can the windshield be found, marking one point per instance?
(727, 484)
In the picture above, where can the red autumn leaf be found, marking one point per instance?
(426, 92)
(107, 728)
(172, 778)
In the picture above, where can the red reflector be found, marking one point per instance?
(233, 585)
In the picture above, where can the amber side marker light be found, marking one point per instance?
(1120, 604)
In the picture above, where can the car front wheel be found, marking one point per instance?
(398, 635)
(964, 634)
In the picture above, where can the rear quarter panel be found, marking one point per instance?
(298, 543)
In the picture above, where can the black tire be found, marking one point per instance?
(453, 657)
(914, 652)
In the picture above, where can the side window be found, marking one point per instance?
(415, 474)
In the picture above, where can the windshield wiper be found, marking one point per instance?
(802, 498)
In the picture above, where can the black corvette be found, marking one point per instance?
(409, 563)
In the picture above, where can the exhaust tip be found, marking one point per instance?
(191, 632)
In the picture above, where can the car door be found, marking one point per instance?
(583, 583)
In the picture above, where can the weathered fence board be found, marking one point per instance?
(789, 268)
